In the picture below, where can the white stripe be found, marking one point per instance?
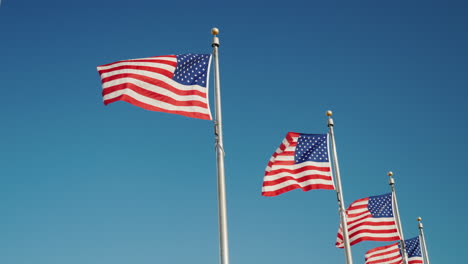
(302, 164)
(387, 251)
(372, 227)
(166, 57)
(360, 203)
(364, 217)
(286, 145)
(156, 65)
(387, 256)
(355, 235)
(163, 58)
(160, 104)
(282, 157)
(152, 75)
(358, 214)
(415, 259)
(278, 151)
(290, 149)
(292, 182)
(153, 88)
(365, 234)
(272, 176)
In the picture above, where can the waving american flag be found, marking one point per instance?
(301, 161)
(176, 84)
(371, 219)
(391, 254)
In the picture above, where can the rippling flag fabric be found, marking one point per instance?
(391, 254)
(371, 219)
(301, 161)
(176, 84)
(413, 248)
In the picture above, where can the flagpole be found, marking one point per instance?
(423, 241)
(222, 212)
(339, 192)
(397, 217)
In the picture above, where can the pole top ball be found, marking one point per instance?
(390, 174)
(419, 219)
(215, 31)
(329, 113)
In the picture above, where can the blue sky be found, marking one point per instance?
(81, 182)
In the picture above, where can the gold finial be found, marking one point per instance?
(215, 31)
(390, 174)
(329, 113)
(419, 219)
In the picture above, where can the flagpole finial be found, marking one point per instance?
(391, 181)
(330, 119)
(215, 32)
(420, 225)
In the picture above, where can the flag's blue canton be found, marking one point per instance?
(192, 69)
(311, 147)
(412, 247)
(381, 205)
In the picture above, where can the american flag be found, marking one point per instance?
(301, 161)
(176, 84)
(391, 254)
(370, 218)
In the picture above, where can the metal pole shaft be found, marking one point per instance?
(423, 242)
(339, 193)
(222, 212)
(397, 218)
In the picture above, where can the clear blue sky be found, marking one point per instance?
(81, 182)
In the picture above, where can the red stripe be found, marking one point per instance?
(149, 80)
(165, 61)
(153, 95)
(384, 259)
(297, 186)
(168, 74)
(299, 180)
(372, 231)
(372, 224)
(290, 140)
(364, 216)
(284, 162)
(292, 135)
(357, 207)
(367, 238)
(374, 239)
(135, 102)
(357, 201)
(352, 218)
(382, 249)
(389, 260)
(298, 170)
(286, 153)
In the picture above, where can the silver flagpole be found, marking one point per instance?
(339, 192)
(423, 242)
(222, 214)
(391, 182)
